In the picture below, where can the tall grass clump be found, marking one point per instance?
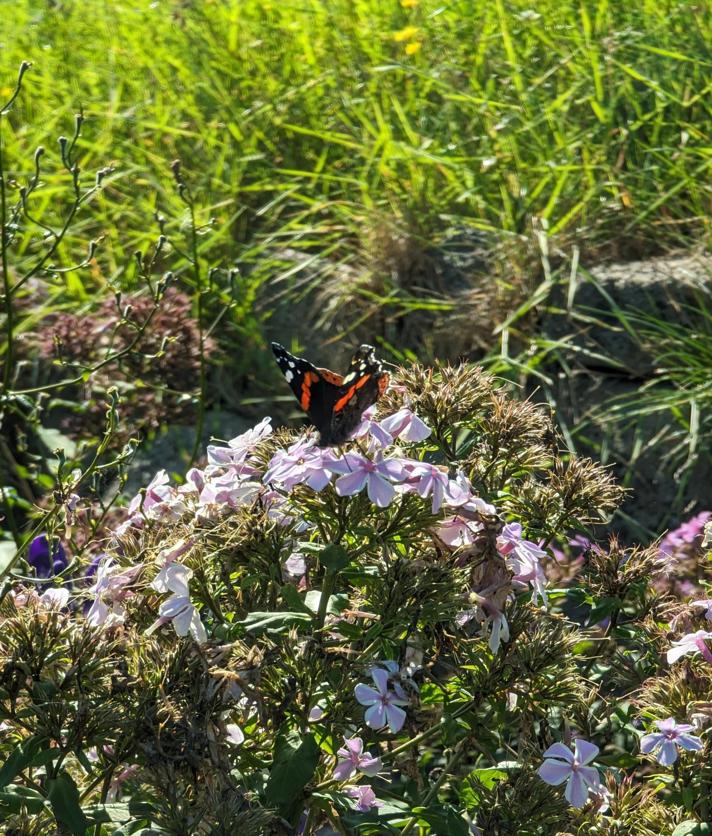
(359, 130)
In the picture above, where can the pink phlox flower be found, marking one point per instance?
(685, 534)
(118, 780)
(405, 425)
(302, 463)
(351, 758)
(54, 598)
(173, 552)
(240, 447)
(522, 557)
(490, 616)
(457, 530)
(563, 765)
(157, 491)
(380, 437)
(426, 480)
(691, 644)
(110, 591)
(229, 489)
(294, 567)
(178, 609)
(365, 798)
(383, 704)
(377, 476)
(194, 482)
(706, 605)
(667, 739)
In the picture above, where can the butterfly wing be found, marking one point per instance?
(360, 388)
(334, 404)
(316, 389)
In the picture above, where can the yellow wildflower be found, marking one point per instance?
(406, 34)
(409, 4)
(412, 47)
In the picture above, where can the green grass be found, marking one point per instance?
(306, 123)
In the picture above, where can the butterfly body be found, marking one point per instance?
(332, 402)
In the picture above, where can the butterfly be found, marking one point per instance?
(332, 402)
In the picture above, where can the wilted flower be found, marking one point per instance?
(365, 798)
(563, 765)
(383, 703)
(377, 476)
(692, 643)
(666, 741)
(352, 757)
(110, 591)
(46, 560)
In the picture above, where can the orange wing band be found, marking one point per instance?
(341, 403)
(305, 399)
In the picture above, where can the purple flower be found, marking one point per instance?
(561, 765)
(406, 425)
(352, 757)
(427, 480)
(458, 531)
(46, 560)
(692, 643)
(239, 447)
(685, 534)
(377, 476)
(666, 741)
(383, 704)
(365, 798)
(380, 437)
(522, 557)
(302, 463)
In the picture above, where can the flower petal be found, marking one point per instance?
(366, 695)
(558, 750)
(380, 491)
(649, 742)
(585, 751)
(554, 772)
(351, 483)
(668, 753)
(576, 790)
(395, 717)
(375, 716)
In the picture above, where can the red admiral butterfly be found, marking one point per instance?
(334, 404)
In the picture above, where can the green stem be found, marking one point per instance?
(457, 754)
(7, 295)
(201, 332)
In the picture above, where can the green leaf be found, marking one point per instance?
(335, 605)
(20, 758)
(334, 557)
(53, 439)
(489, 776)
(63, 795)
(295, 760)
(273, 623)
(15, 798)
(445, 821)
(693, 828)
(292, 597)
(603, 609)
(8, 550)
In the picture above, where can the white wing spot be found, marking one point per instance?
(288, 376)
(291, 364)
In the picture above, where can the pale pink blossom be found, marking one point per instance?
(352, 758)
(365, 798)
(178, 609)
(376, 476)
(690, 644)
(383, 704)
(234, 735)
(110, 589)
(406, 426)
